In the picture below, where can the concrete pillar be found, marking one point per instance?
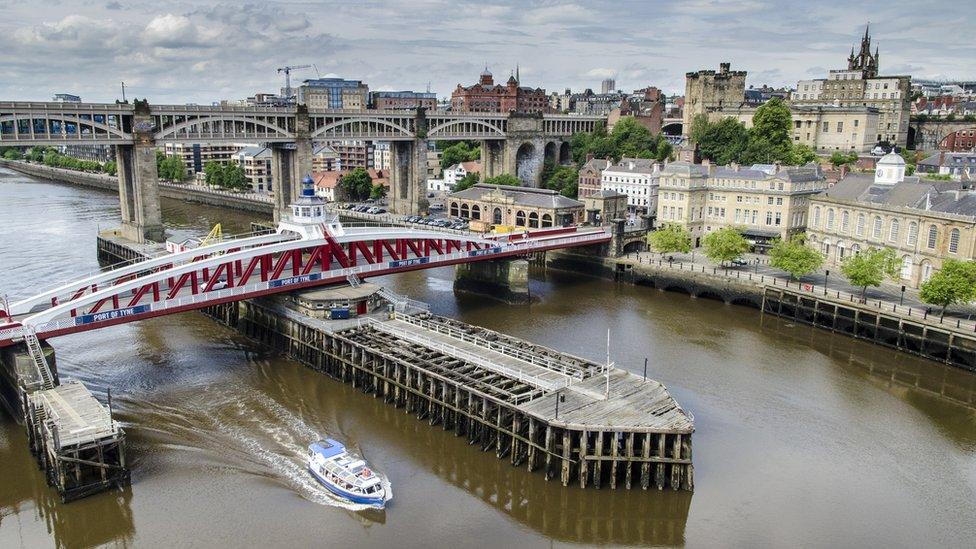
(503, 279)
(529, 167)
(20, 376)
(408, 177)
(139, 181)
(290, 162)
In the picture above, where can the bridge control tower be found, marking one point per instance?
(309, 216)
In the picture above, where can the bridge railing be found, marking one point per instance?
(242, 292)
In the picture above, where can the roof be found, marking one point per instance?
(607, 194)
(934, 196)
(325, 150)
(255, 151)
(339, 293)
(326, 180)
(954, 160)
(524, 196)
(327, 448)
(633, 165)
(598, 164)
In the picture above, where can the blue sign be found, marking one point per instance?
(409, 262)
(111, 315)
(294, 280)
(486, 251)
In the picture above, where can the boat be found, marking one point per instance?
(345, 474)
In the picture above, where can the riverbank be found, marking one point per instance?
(189, 193)
(905, 328)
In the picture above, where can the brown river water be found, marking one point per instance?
(802, 438)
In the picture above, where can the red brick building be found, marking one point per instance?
(959, 141)
(590, 176)
(486, 96)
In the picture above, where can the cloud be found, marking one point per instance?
(602, 73)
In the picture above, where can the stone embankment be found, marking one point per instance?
(907, 329)
(189, 193)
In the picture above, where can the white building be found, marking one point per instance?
(455, 173)
(382, 156)
(635, 177)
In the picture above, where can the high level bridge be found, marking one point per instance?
(511, 143)
(310, 248)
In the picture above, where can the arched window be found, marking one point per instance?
(496, 216)
(906, 267)
(534, 220)
(912, 233)
(893, 231)
(476, 212)
(454, 209)
(876, 230)
(816, 216)
(954, 241)
(825, 247)
(926, 270)
(859, 229)
(464, 211)
(520, 218)
(546, 220)
(841, 248)
(830, 218)
(855, 249)
(845, 221)
(933, 236)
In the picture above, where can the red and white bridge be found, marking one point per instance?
(310, 248)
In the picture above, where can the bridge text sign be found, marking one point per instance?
(112, 315)
(294, 280)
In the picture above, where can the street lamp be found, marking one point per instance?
(826, 275)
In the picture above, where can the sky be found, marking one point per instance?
(177, 51)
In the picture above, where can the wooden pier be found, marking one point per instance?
(75, 440)
(539, 408)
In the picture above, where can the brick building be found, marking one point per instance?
(590, 176)
(486, 96)
(401, 100)
(959, 141)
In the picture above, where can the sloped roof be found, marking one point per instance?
(936, 196)
(524, 196)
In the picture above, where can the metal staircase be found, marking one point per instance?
(354, 280)
(37, 355)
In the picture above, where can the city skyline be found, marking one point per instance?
(202, 52)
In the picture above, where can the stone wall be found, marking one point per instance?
(111, 183)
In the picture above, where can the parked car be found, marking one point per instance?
(738, 262)
(380, 211)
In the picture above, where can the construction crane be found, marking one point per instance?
(287, 70)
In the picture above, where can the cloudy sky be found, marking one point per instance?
(177, 51)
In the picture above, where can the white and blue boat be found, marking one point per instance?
(346, 475)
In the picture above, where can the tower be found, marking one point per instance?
(864, 61)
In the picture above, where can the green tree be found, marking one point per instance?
(213, 173)
(670, 238)
(838, 158)
(459, 152)
(772, 122)
(378, 191)
(235, 178)
(111, 167)
(12, 154)
(467, 181)
(563, 179)
(870, 268)
(504, 179)
(725, 245)
(172, 168)
(954, 283)
(357, 184)
(721, 142)
(36, 154)
(799, 155)
(795, 257)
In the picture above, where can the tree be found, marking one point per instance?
(795, 257)
(670, 239)
(459, 152)
(799, 155)
(357, 184)
(504, 179)
(954, 283)
(870, 268)
(725, 245)
(172, 168)
(772, 122)
(111, 167)
(722, 142)
(469, 180)
(378, 192)
(563, 179)
(629, 138)
(12, 154)
(213, 173)
(838, 158)
(36, 154)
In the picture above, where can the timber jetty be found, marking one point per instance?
(549, 411)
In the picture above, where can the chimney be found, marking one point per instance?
(941, 158)
(589, 156)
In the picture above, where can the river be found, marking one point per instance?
(802, 438)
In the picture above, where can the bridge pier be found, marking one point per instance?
(290, 162)
(503, 279)
(139, 181)
(19, 377)
(408, 177)
(492, 158)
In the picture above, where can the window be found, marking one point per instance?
(954, 241)
(933, 236)
(840, 127)
(845, 222)
(826, 127)
(912, 233)
(546, 220)
(520, 218)
(769, 218)
(779, 201)
(534, 220)
(859, 230)
(464, 211)
(876, 231)
(830, 218)
(893, 231)
(779, 218)
(769, 200)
